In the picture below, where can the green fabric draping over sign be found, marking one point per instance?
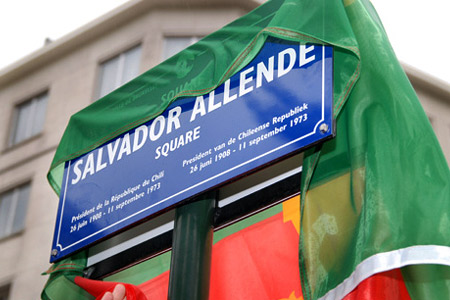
(379, 192)
(377, 196)
(204, 66)
(61, 285)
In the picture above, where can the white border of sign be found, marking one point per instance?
(61, 248)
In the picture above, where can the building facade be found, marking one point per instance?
(39, 93)
(434, 95)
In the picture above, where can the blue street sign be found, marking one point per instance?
(278, 104)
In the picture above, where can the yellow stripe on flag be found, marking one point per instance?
(291, 212)
(330, 214)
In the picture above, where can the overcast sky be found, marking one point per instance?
(417, 29)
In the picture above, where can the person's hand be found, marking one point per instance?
(117, 294)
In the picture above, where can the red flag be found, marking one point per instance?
(257, 262)
(386, 285)
(156, 288)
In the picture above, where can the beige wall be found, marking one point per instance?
(434, 96)
(70, 78)
(438, 112)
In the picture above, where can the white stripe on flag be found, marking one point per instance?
(381, 262)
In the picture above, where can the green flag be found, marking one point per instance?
(379, 194)
(61, 285)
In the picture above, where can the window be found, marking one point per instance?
(173, 45)
(118, 70)
(4, 292)
(28, 119)
(13, 209)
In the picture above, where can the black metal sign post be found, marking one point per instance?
(191, 249)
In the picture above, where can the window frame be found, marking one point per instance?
(14, 193)
(121, 56)
(194, 38)
(12, 139)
